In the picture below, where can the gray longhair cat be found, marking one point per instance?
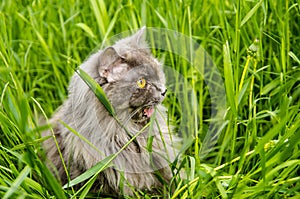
(134, 83)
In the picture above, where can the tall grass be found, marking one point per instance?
(254, 44)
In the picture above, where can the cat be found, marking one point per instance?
(134, 83)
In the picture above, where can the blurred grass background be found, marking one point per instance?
(255, 45)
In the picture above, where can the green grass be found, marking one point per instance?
(254, 44)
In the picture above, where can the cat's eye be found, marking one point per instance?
(141, 83)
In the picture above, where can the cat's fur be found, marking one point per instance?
(117, 69)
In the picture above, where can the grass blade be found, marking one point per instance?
(100, 166)
(229, 80)
(87, 29)
(97, 90)
(22, 176)
(251, 13)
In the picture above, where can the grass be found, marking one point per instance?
(254, 45)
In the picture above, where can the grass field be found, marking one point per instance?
(254, 44)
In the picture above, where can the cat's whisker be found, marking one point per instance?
(132, 114)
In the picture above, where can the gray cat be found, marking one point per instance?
(134, 83)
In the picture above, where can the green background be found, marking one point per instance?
(254, 44)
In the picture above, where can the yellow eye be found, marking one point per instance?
(141, 83)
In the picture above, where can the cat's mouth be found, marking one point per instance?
(143, 114)
(148, 111)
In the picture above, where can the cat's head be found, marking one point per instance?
(131, 77)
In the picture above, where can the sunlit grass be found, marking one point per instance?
(254, 44)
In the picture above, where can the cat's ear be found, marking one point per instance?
(135, 41)
(110, 66)
(108, 56)
(140, 36)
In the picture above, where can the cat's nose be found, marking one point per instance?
(164, 92)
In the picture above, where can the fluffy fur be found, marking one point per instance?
(117, 69)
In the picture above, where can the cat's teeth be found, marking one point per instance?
(148, 111)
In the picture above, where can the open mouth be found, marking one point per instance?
(143, 114)
(148, 111)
